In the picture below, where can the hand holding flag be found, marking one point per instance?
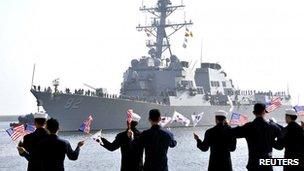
(21, 150)
(97, 137)
(80, 144)
(129, 117)
(195, 136)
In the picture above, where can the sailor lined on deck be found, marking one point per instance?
(156, 142)
(221, 143)
(131, 159)
(29, 147)
(260, 136)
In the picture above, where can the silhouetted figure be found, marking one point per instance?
(53, 149)
(131, 158)
(29, 147)
(293, 141)
(260, 136)
(220, 141)
(156, 142)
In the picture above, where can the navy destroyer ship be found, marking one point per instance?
(159, 80)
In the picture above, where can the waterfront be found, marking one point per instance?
(184, 157)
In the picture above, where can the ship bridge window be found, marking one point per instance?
(215, 84)
(224, 83)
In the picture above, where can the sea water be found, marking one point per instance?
(184, 157)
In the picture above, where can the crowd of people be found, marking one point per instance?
(44, 150)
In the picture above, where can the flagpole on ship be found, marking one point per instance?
(33, 76)
(32, 83)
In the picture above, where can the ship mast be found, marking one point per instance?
(157, 28)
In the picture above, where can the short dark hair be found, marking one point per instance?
(133, 124)
(292, 117)
(220, 118)
(40, 121)
(154, 115)
(259, 108)
(52, 125)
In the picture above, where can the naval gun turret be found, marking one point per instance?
(98, 91)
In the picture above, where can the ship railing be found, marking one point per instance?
(83, 92)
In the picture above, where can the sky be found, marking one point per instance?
(258, 43)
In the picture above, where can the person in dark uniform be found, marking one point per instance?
(53, 149)
(293, 141)
(220, 141)
(131, 159)
(28, 148)
(156, 142)
(260, 136)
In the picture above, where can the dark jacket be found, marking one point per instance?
(260, 136)
(156, 142)
(221, 142)
(293, 141)
(53, 151)
(131, 159)
(30, 143)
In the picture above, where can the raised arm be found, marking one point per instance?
(23, 148)
(172, 141)
(240, 131)
(203, 145)
(280, 141)
(73, 154)
(111, 146)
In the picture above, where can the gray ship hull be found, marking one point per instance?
(110, 113)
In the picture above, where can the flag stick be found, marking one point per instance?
(90, 135)
(129, 125)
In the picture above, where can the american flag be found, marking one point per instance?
(273, 104)
(299, 110)
(30, 128)
(238, 119)
(86, 125)
(129, 116)
(16, 132)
